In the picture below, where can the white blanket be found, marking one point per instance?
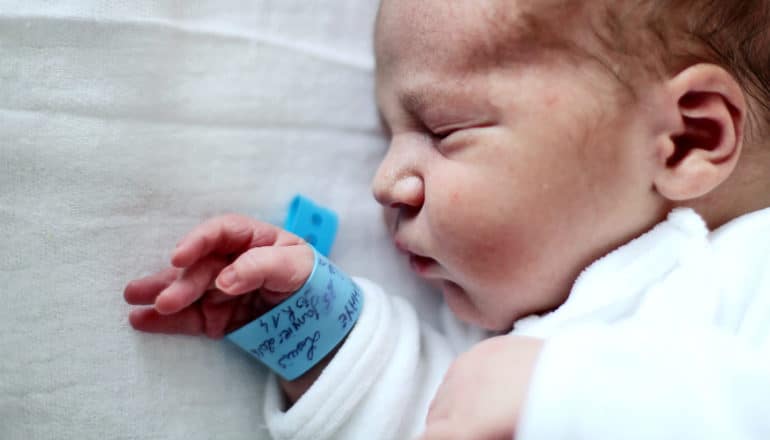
(122, 125)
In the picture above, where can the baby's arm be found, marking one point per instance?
(484, 390)
(224, 274)
(378, 384)
(607, 383)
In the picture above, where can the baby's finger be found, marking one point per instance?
(245, 313)
(186, 322)
(216, 317)
(144, 290)
(279, 269)
(191, 285)
(227, 234)
(214, 296)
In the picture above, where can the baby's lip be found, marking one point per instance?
(422, 264)
(408, 249)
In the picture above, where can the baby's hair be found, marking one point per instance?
(633, 39)
(734, 34)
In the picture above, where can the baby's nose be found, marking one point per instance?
(398, 190)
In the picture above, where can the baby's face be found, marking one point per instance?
(509, 180)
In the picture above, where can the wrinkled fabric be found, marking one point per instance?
(123, 124)
(667, 337)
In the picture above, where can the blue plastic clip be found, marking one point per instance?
(315, 224)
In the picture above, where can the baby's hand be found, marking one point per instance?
(484, 390)
(226, 273)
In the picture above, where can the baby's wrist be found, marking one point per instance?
(301, 332)
(293, 390)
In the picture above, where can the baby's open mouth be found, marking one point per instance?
(420, 264)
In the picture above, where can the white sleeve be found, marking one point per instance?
(379, 384)
(632, 383)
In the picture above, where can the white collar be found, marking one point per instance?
(613, 287)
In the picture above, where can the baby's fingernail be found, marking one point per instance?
(227, 278)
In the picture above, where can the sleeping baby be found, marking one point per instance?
(586, 180)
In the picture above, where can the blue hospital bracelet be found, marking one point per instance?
(314, 223)
(295, 335)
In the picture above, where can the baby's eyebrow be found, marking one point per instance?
(430, 102)
(414, 101)
(417, 101)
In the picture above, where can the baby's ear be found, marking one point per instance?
(703, 150)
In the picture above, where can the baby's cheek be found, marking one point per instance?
(470, 234)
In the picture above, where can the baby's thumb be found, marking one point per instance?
(279, 269)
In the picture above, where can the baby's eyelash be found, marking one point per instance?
(441, 135)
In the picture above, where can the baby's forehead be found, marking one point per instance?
(436, 32)
(462, 34)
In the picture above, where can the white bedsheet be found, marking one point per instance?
(122, 125)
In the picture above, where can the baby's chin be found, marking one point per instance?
(459, 302)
